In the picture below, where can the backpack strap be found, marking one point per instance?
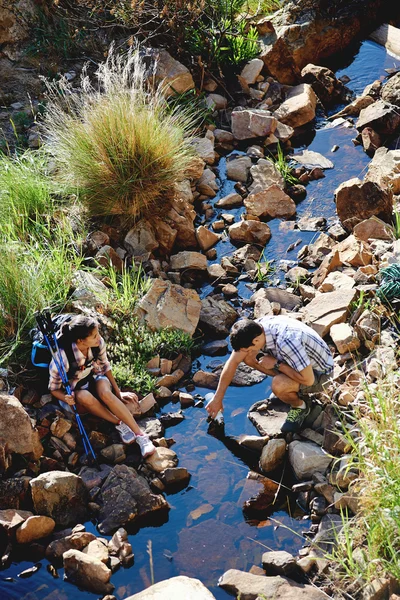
(71, 358)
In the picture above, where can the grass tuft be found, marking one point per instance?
(119, 143)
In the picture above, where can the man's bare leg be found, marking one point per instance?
(282, 386)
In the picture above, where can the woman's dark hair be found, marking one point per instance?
(79, 328)
(243, 333)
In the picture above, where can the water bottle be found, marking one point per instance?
(219, 417)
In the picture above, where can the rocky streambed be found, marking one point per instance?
(221, 513)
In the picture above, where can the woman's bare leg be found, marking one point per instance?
(116, 406)
(92, 405)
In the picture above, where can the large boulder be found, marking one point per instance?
(327, 309)
(34, 528)
(15, 18)
(384, 169)
(307, 458)
(271, 203)
(17, 433)
(173, 77)
(89, 291)
(60, 495)
(250, 232)
(252, 123)
(87, 572)
(251, 587)
(328, 88)
(124, 496)
(381, 117)
(175, 588)
(264, 174)
(359, 200)
(217, 316)
(169, 305)
(299, 106)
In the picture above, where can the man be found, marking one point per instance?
(296, 357)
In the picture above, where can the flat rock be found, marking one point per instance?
(215, 347)
(264, 174)
(151, 427)
(230, 201)
(299, 106)
(307, 458)
(373, 228)
(254, 442)
(176, 588)
(169, 305)
(250, 232)
(188, 260)
(238, 167)
(287, 300)
(250, 587)
(327, 309)
(268, 416)
(161, 459)
(270, 203)
(381, 117)
(89, 291)
(311, 159)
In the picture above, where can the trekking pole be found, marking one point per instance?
(45, 325)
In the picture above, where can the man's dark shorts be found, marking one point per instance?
(321, 381)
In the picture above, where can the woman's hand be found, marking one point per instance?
(131, 400)
(69, 399)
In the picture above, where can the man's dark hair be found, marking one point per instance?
(243, 333)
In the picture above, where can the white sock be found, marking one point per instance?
(303, 405)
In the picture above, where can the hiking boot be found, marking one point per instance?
(295, 419)
(125, 433)
(145, 444)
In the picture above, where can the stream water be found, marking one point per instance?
(206, 531)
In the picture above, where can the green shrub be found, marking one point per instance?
(283, 166)
(119, 143)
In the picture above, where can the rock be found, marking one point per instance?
(270, 203)
(171, 75)
(17, 433)
(311, 223)
(34, 528)
(207, 184)
(204, 147)
(141, 239)
(252, 123)
(169, 305)
(229, 290)
(344, 338)
(337, 281)
(206, 238)
(371, 141)
(251, 587)
(244, 375)
(124, 496)
(189, 260)
(384, 169)
(250, 232)
(311, 159)
(373, 228)
(272, 455)
(268, 416)
(230, 201)
(264, 174)
(60, 495)
(120, 547)
(15, 492)
(357, 201)
(10, 518)
(114, 453)
(98, 550)
(251, 70)
(307, 458)
(107, 256)
(217, 316)
(299, 106)
(161, 459)
(242, 255)
(89, 291)
(87, 572)
(176, 588)
(223, 137)
(238, 167)
(327, 309)
(368, 327)
(174, 476)
(205, 379)
(390, 92)
(381, 117)
(216, 273)
(147, 403)
(216, 102)
(279, 562)
(262, 306)
(287, 300)
(353, 252)
(253, 442)
(75, 541)
(180, 218)
(328, 88)
(296, 275)
(215, 347)
(60, 426)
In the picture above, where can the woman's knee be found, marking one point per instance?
(85, 398)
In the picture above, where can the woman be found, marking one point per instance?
(92, 382)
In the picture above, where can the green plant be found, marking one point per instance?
(361, 302)
(194, 102)
(55, 33)
(264, 269)
(126, 287)
(263, 7)
(121, 145)
(396, 224)
(283, 167)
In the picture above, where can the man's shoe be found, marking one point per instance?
(125, 433)
(146, 445)
(295, 419)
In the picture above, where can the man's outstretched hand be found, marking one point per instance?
(214, 407)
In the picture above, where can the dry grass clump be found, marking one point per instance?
(119, 142)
